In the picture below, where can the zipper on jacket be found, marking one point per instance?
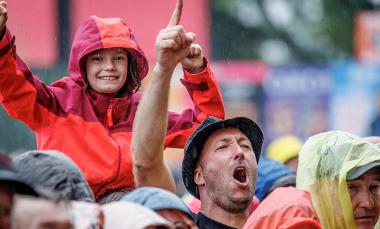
(109, 121)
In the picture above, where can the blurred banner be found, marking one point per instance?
(296, 101)
(353, 100)
(367, 36)
(241, 85)
(35, 25)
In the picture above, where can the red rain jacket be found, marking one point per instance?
(285, 208)
(92, 128)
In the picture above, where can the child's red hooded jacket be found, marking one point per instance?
(92, 128)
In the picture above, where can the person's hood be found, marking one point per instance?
(285, 208)
(157, 199)
(268, 172)
(96, 33)
(324, 161)
(53, 173)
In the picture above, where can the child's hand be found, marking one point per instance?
(193, 63)
(3, 14)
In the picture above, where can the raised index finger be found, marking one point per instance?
(176, 16)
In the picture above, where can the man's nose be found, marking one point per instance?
(366, 200)
(239, 152)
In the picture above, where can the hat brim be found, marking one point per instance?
(358, 171)
(196, 141)
(20, 186)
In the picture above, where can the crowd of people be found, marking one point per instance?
(99, 161)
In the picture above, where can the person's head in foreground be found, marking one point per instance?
(364, 188)
(164, 203)
(128, 215)
(54, 172)
(38, 213)
(10, 184)
(342, 173)
(220, 167)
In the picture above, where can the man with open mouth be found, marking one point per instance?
(221, 156)
(220, 168)
(220, 162)
(219, 165)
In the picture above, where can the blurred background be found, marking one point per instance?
(296, 67)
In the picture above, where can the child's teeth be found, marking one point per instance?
(108, 78)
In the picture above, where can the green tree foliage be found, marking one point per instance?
(285, 31)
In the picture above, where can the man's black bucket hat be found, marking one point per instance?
(196, 141)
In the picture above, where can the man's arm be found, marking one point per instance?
(149, 130)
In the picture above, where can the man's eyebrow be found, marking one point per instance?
(377, 177)
(230, 139)
(243, 138)
(225, 139)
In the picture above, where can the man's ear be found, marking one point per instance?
(198, 176)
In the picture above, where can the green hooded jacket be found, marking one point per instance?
(324, 161)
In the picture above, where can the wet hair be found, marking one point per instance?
(133, 82)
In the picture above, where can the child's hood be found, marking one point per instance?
(97, 33)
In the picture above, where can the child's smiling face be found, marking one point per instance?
(106, 70)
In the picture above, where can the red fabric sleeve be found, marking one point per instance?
(205, 93)
(18, 88)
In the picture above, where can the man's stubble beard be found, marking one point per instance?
(221, 194)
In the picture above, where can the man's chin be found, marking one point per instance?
(242, 194)
(241, 203)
